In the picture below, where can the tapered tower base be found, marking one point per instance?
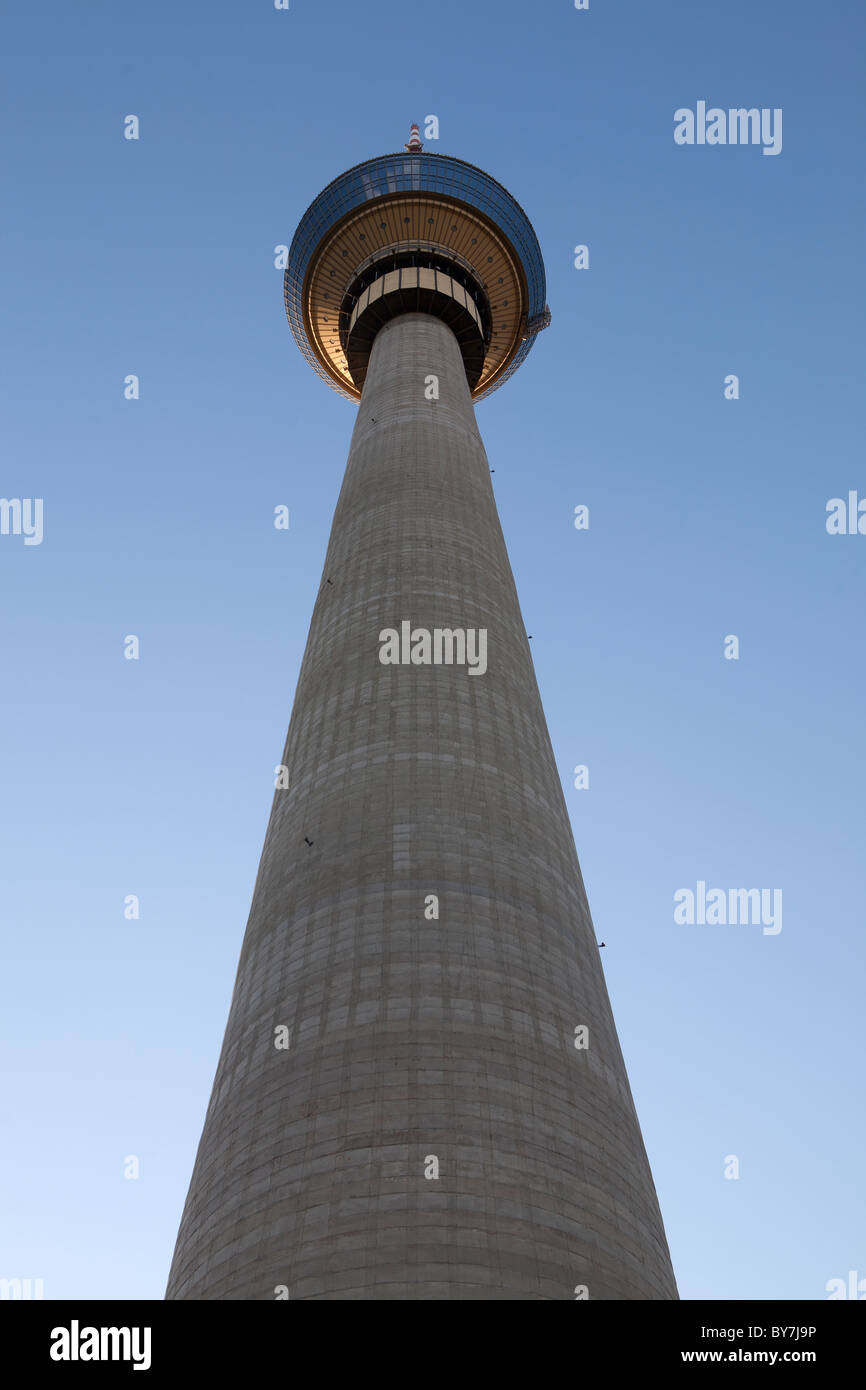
(419, 927)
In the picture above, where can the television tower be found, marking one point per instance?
(420, 1093)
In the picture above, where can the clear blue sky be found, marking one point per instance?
(707, 518)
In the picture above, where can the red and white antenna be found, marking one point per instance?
(414, 146)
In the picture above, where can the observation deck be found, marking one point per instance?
(415, 232)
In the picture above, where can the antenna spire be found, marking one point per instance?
(414, 146)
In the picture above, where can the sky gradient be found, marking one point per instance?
(707, 518)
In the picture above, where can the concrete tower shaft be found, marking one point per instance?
(413, 1037)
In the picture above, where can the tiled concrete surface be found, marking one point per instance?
(413, 1037)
